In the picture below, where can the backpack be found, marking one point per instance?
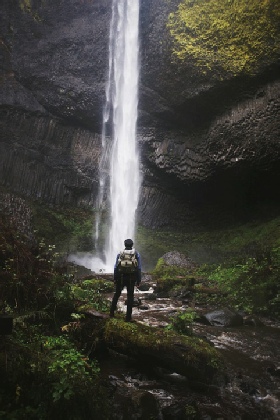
(127, 261)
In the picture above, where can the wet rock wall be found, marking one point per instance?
(204, 142)
(44, 159)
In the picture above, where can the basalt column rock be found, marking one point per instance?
(232, 163)
(52, 76)
(47, 160)
(208, 141)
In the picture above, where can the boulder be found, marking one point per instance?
(224, 318)
(178, 259)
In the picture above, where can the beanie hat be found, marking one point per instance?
(128, 243)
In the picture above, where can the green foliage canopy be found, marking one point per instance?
(229, 35)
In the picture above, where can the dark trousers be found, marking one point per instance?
(127, 281)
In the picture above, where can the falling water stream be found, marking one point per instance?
(120, 156)
(119, 163)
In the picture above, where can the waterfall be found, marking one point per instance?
(119, 164)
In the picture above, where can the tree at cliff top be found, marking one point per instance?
(232, 36)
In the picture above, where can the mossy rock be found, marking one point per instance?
(231, 37)
(170, 276)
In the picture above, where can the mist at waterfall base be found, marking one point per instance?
(86, 259)
(119, 165)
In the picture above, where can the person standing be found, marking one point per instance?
(127, 273)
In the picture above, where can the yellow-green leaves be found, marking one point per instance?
(234, 36)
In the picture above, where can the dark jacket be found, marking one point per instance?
(138, 272)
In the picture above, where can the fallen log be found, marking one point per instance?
(208, 291)
(192, 357)
(97, 276)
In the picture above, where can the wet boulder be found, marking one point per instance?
(224, 318)
(132, 403)
(178, 259)
(144, 287)
(144, 307)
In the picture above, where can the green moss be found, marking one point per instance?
(190, 411)
(241, 262)
(251, 284)
(140, 339)
(210, 246)
(88, 294)
(69, 229)
(169, 276)
(27, 6)
(99, 285)
(234, 35)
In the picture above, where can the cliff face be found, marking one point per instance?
(205, 143)
(51, 98)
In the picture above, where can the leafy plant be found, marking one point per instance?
(29, 272)
(69, 370)
(182, 322)
(90, 293)
(48, 377)
(252, 284)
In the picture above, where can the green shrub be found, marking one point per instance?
(182, 322)
(29, 271)
(69, 370)
(47, 377)
(90, 293)
(252, 285)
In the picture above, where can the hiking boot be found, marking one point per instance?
(128, 319)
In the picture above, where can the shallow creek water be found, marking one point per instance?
(252, 356)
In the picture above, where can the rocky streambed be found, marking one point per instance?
(249, 347)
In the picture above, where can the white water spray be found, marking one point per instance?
(120, 115)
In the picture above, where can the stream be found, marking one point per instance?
(252, 358)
